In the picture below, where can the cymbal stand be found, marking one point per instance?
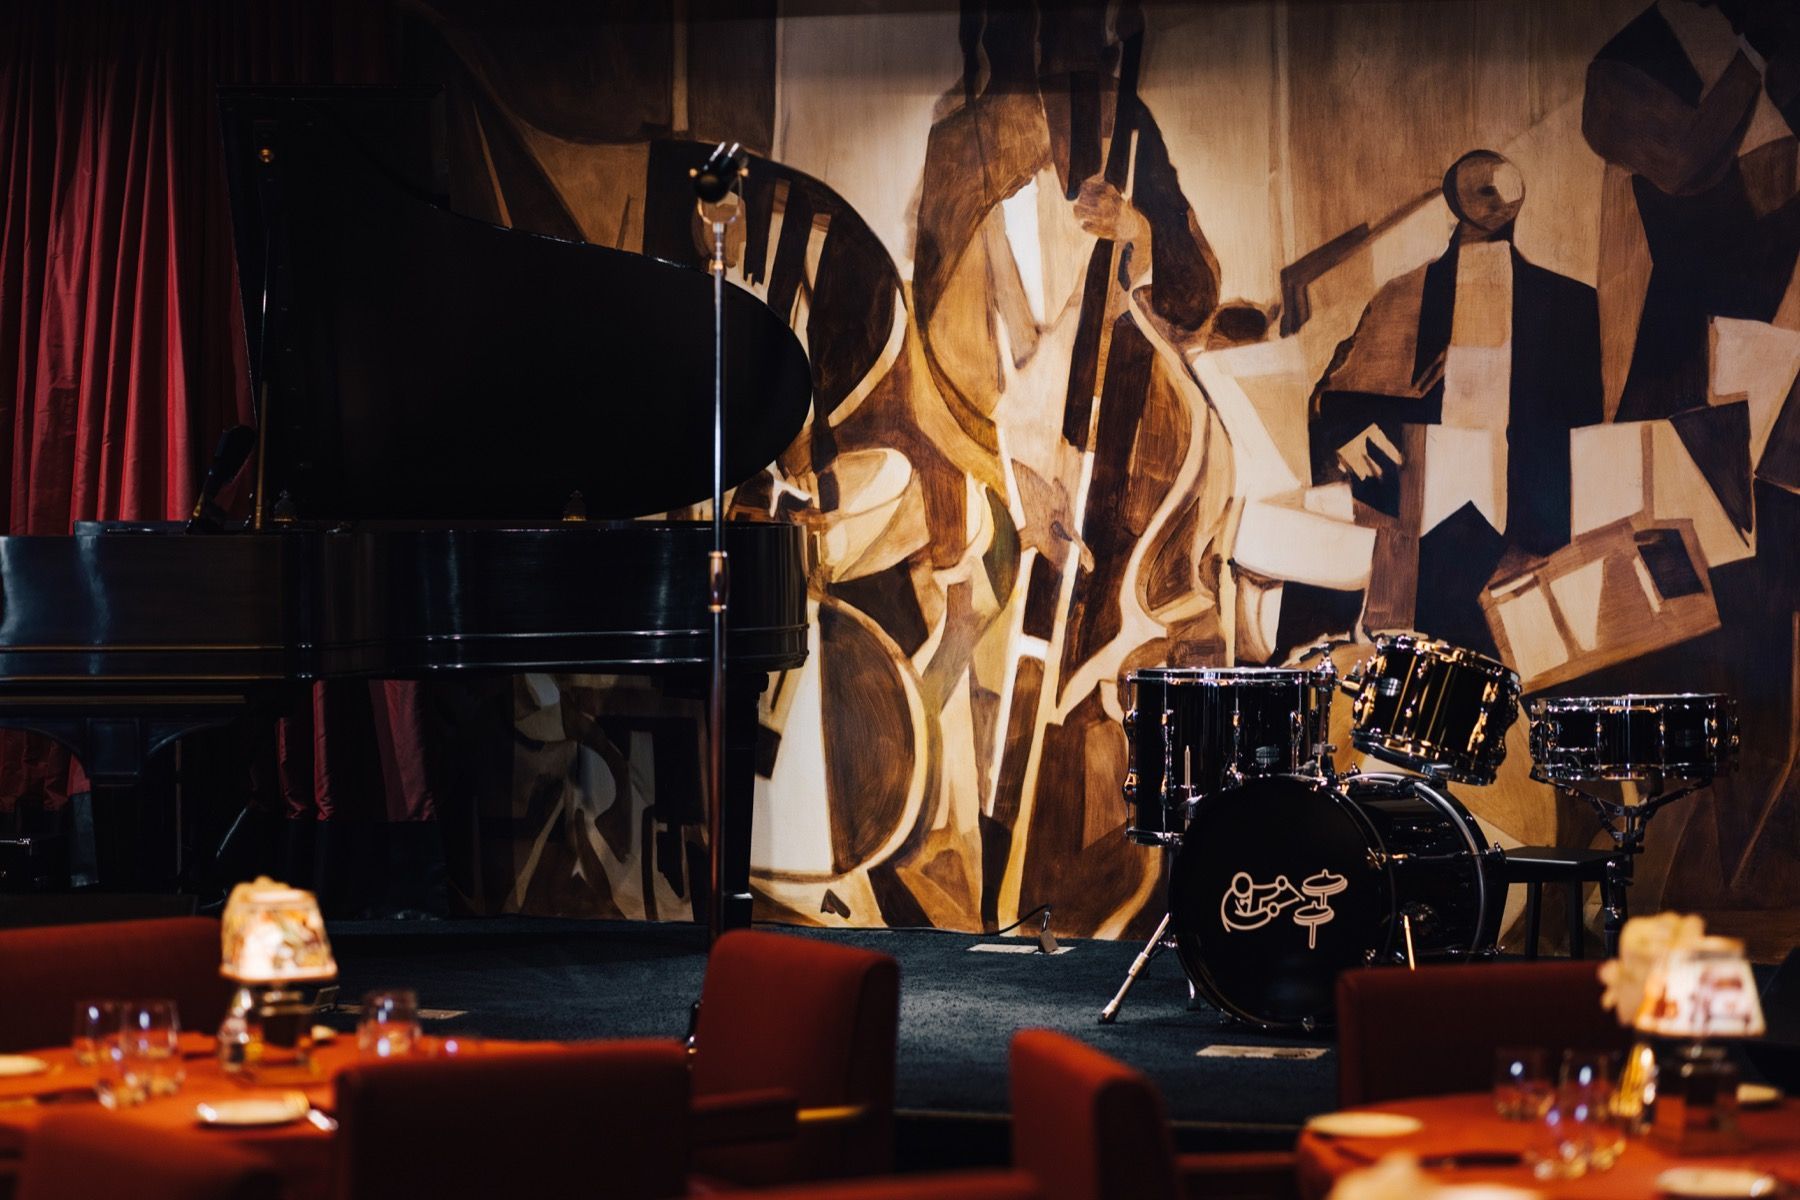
(718, 186)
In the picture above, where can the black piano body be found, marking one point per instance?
(437, 395)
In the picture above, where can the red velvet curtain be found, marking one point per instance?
(121, 345)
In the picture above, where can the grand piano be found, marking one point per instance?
(458, 423)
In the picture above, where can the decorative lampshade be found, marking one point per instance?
(273, 933)
(1702, 990)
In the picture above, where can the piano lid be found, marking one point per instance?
(428, 366)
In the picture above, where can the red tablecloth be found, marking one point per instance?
(1466, 1123)
(301, 1152)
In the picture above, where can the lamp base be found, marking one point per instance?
(267, 1037)
(1696, 1102)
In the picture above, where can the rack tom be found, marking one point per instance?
(1583, 739)
(1194, 730)
(1434, 707)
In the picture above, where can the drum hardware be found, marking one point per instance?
(1368, 867)
(1655, 740)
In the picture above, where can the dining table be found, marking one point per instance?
(299, 1150)
(1460, 1139)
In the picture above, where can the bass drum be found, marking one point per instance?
(1284, 881)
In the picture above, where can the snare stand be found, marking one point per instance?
(1627, 825)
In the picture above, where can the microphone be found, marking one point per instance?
(713, 179)
(234, 447)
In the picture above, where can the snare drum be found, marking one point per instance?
(1194, 730)
(1434, 707)
(1284, 882)
(1582, 739)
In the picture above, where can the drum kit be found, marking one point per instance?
(1284, 872)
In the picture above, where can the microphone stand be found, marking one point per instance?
(718, 213)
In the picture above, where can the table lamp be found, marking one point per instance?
(272, 939)
(1696, 994)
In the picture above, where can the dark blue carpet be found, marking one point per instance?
(563, 980)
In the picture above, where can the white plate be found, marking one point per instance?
(1757, 1095)
(283, 1108)
(1715, 1183)
(1484, 1191)
(1365, 1124)
(14, 1065)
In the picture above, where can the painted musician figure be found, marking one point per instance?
(1449, 411)
(1058, 270)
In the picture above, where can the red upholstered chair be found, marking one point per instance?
(791, 1021)
(960, 1185)
(1434, 1030)
(566, 1121)
(83, 1155)
(1088, 1127)
(47, 970)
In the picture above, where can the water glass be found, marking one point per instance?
(151, 1037)
(1521, 1083)
(1590, 1077)
(122, 1081)
(1562, 1145)
(96, 1025)
(389, 1026)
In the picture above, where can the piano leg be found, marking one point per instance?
(743, 690)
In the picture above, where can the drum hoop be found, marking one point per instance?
(1561, 774)
(1630, 702)
(1477, 769)
(1225, 674)
(1466, 824)
(1436, 648)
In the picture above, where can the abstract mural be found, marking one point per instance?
(1192, 335)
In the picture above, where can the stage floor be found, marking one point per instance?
(959, 1005)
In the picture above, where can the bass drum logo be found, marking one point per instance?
(1248, 905)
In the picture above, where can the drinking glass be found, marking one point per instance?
(96, 1023)
(1562, 1145)
(151, 1034)
(389, 1025)
(1588, 1076)
(1521, 1083)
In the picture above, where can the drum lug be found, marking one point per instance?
(1369, 957)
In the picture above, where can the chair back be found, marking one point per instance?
(1434, 1030)
(814, 1018)
(47, 970)
(547, 1122)
(81, 1155)
(1086, 1126)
